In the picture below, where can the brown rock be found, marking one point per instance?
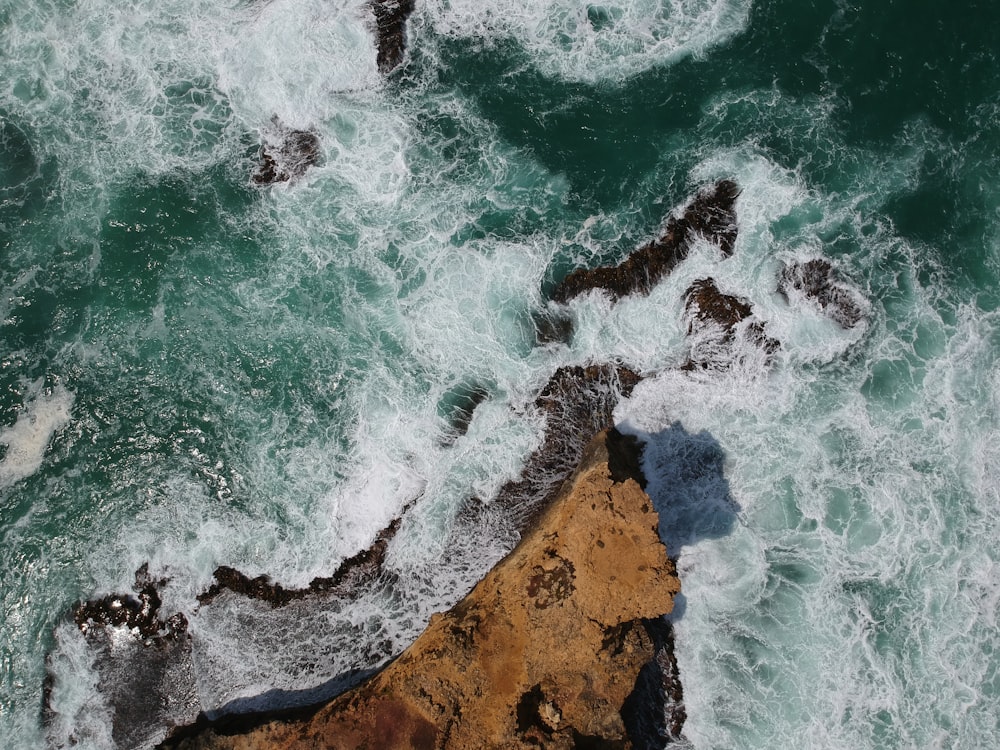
(542, 653)
(716, 320)
(712, 215)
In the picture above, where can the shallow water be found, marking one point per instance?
(195, 371)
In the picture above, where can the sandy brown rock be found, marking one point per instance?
(542, 653)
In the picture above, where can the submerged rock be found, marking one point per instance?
(390, 29)
(817, 280)
(286, 155)
(544, 652)
(711, 215)
(143, 660)
(718, 324)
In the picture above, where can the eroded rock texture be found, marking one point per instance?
(285, 155)
(711, 215)
(390, 30)
(817, 280)
(720, 326)
(578, 402)
(543, 653)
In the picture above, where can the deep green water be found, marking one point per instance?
(195, 371)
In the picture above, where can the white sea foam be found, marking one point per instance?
(832, 512)
(28, 438)
(595, 41)
(818, 513)
(81, 716)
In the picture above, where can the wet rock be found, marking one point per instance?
(143, 660)
(346, 581)
(390, 30)
(719, 324)
(500, 671)
(139, 613)
(711, 215)
(654, 712)
(553, 327)
(286, 155)
(577, 402)
(817, 280)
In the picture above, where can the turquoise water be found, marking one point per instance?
(195, 371)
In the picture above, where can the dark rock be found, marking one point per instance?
(654, 712)
(817, 280)
(147, 676)
(552, 327)
(390, 29)
(578, 402)
(711, 215)
(717, 322)
(138, 613)
(286, 155)
(345, 582)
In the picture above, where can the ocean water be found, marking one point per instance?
(196, 371)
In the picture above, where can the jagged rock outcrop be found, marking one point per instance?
(718, 324)
(578, 401)
(139, 613)
(711, 215)
(543, 653)
(817, 280)
(145, 661)
(390, 31)
(346, 581)
(285, 155)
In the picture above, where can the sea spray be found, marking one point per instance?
(255, 377)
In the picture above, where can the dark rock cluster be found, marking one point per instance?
(710, 311)
(577, 401)
(287, 157)
(139, 613)
(148, 676)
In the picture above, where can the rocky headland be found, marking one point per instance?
(546, 651)
(563, 643)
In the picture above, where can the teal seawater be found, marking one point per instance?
(195, 371)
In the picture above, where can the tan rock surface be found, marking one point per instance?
(542, 653)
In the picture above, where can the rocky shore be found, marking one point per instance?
(546, 651)
(563, 643)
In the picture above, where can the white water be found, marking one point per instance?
(833, 514)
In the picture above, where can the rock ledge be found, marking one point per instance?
(544, 652)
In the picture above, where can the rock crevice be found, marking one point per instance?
(544, 652)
